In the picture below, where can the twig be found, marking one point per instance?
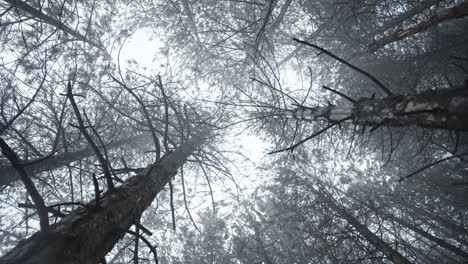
(209, 185)
(185, 199)
(368, 75)
(103, 146)
(166, 115)
(151, 247)
(88, 138)
(142, 228)
(97, 192)
(340, 94)
(20, 112)
(50, 209)
(305, 139)
(157, 144)
(432, 164)
(137, 244)
(171, 189)
(274, 88)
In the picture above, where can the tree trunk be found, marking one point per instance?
(458, 11)
(429, 237)
(407, 15)
(446, 109)
(87, 234)
(9, 175)
(381, 245)
(452, 230)
(51, 21)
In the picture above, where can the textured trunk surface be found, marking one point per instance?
(87, 234)
(407, 15)
(8, 174)
(458, 11)
(446, 109)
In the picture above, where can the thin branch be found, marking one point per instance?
(97, 192)
(368, 75)
(340, 94)
(144, 229)
(37, 13)
(82, 128)
(166, 115)
(185, 199)
(157, 144)
(10, 122)
(137, 240)
(291, 148)
(50, 209)
(171, 189)
(209, 184)
(274, 88)
(28, 184)
(432, 164)
(151, 247)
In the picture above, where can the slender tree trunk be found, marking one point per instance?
(381, 245)
(452, 230)
(87, 234)
(458, 11)
(8, 174)
(446, 109)
(51, 21)
(428, 236)
(407, 15)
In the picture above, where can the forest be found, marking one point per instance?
(233, 131)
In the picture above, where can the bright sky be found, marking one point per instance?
(141, 48)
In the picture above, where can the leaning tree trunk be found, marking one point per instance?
(380, 244)
(418, 9)
(440, 242)
(458, 11)
(87, 234)
(9, 175)
(455, 231)
(446, 109)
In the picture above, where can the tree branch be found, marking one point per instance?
(28, 184)
(368, 75)
(82, 128)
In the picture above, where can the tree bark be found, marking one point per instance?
(51, 21)
(407, 15)
(446, 109)
(381, 245)
(8, 174)
(458, 11)
(87, 234)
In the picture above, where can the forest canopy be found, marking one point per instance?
(234, 131)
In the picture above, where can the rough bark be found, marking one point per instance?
(458, 11)
(87, 234)
(381, 245)
(8, 174)
(51, 21)
(446, 109)
(407, 15)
